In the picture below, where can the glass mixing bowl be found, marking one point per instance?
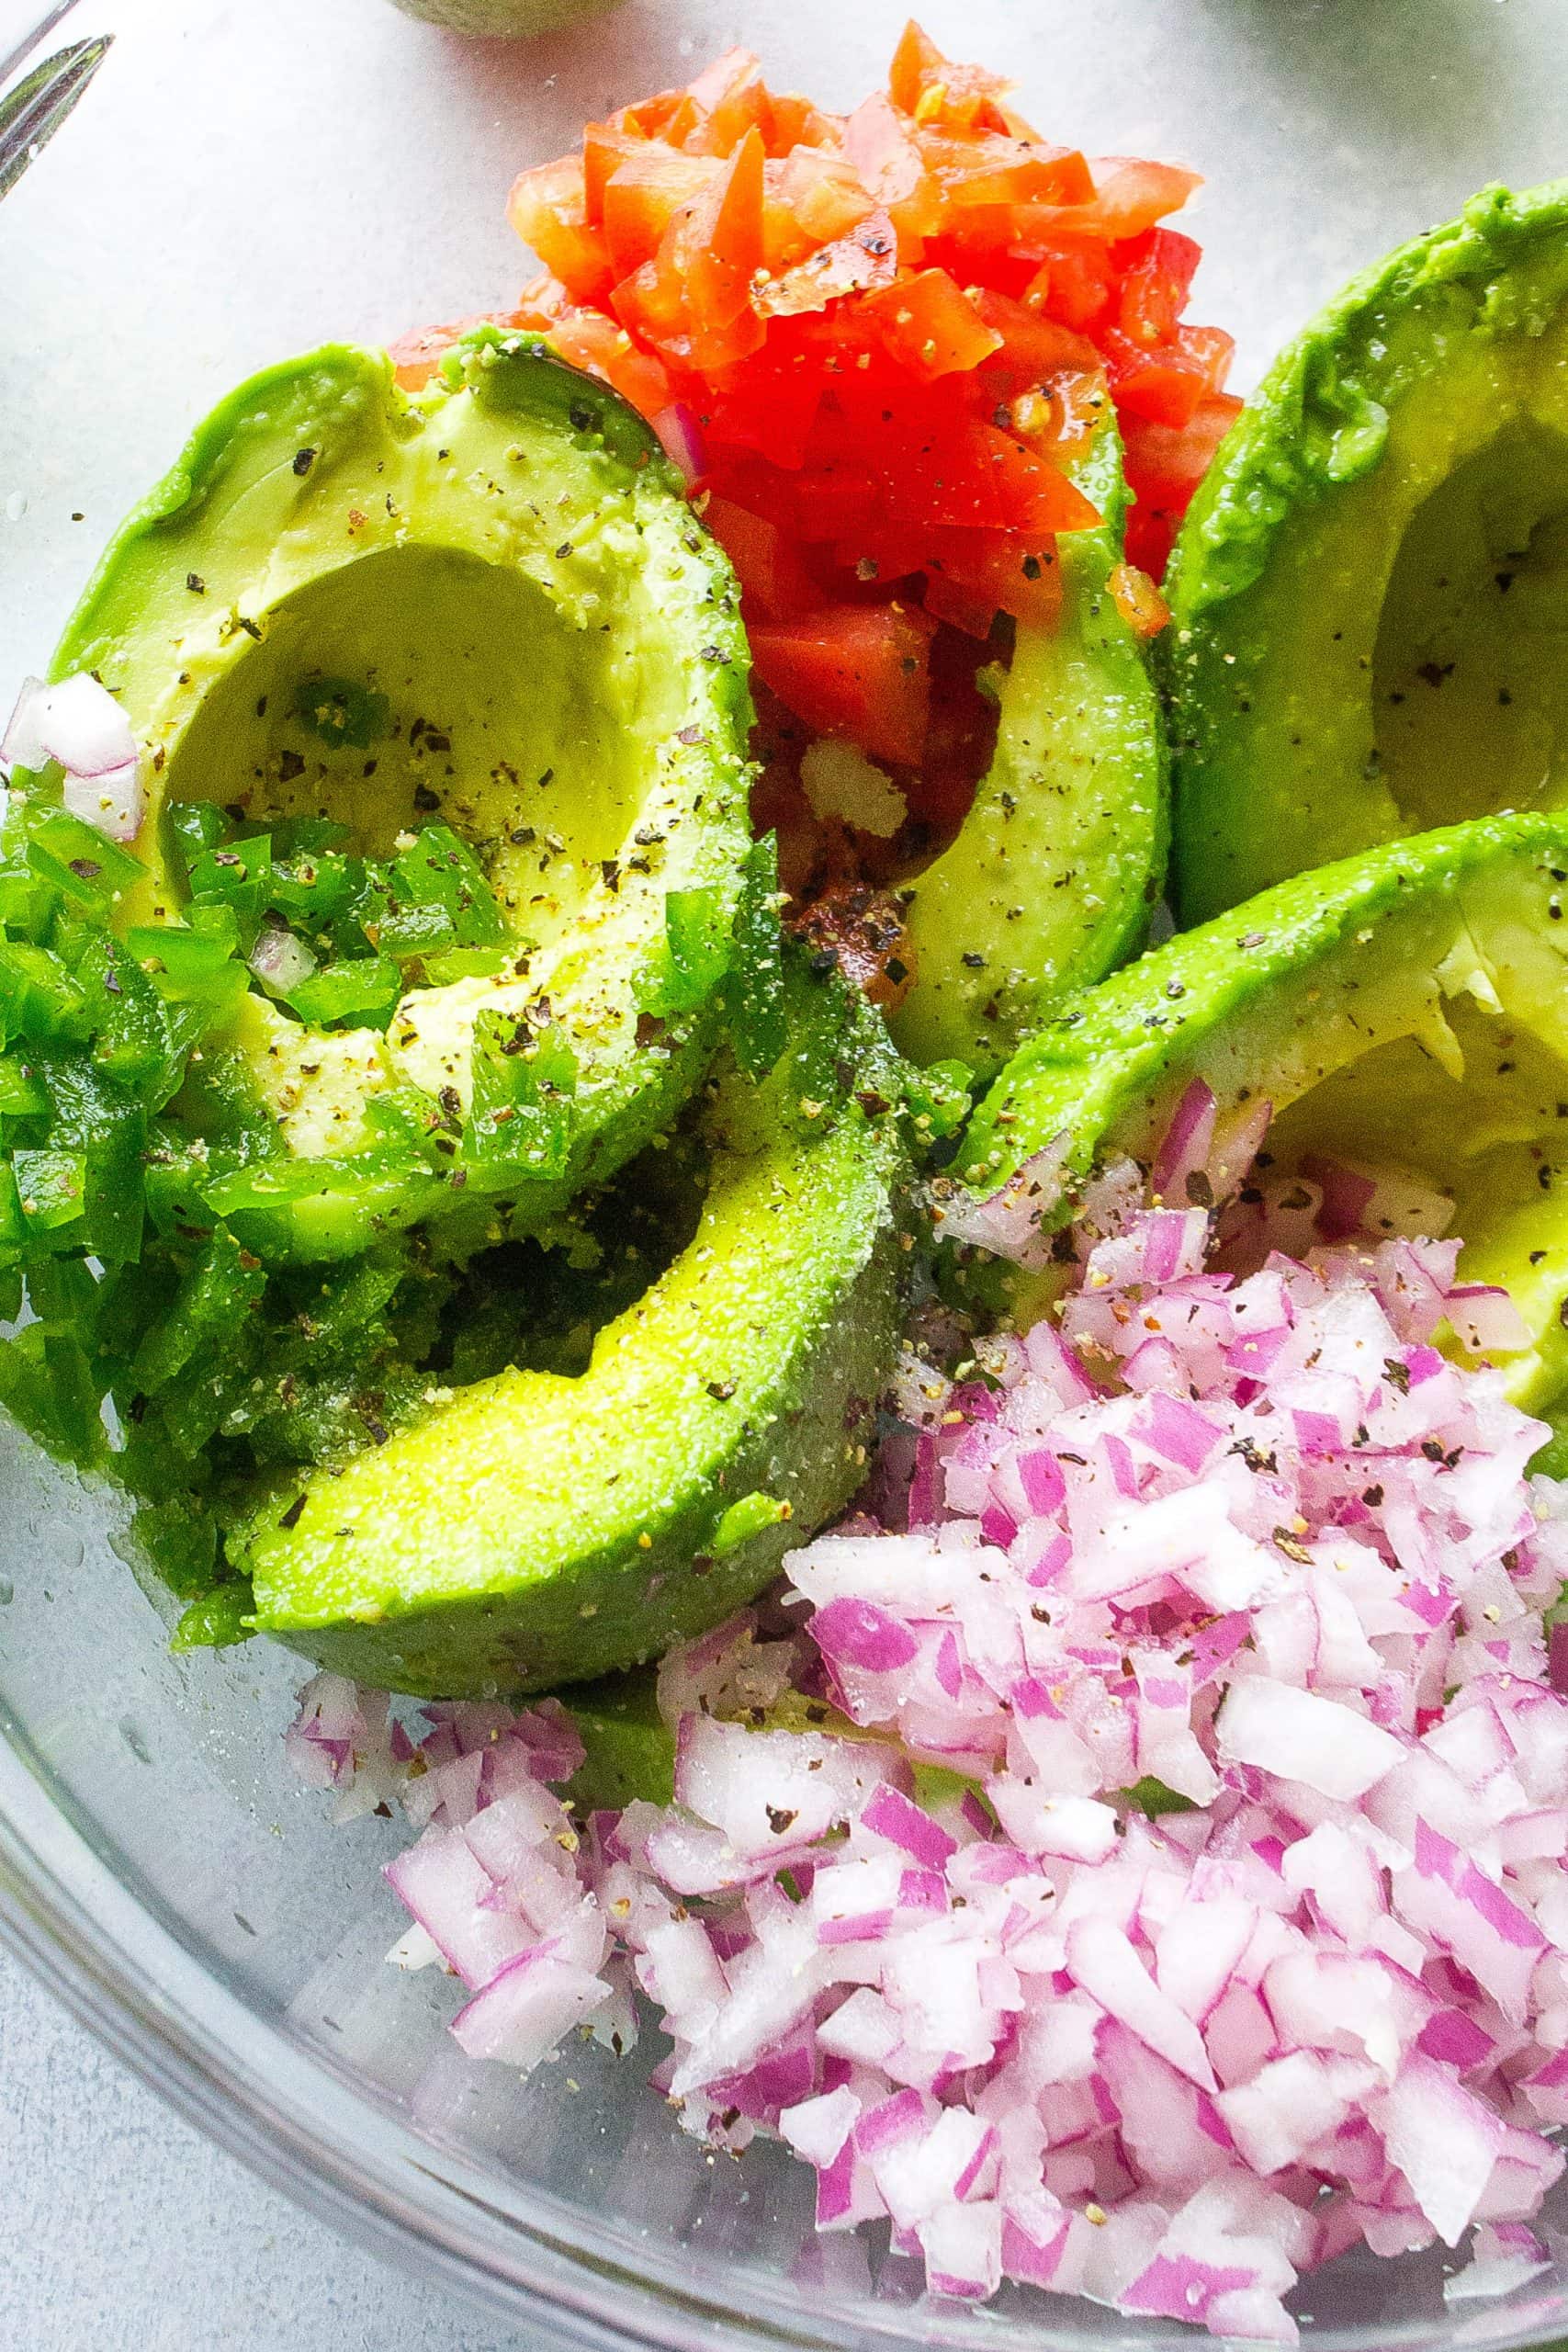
(241, 181)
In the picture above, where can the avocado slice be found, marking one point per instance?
(628, 1751)
(532, 1530)
(1052, 878)
(1405, 1009)
(1369, 595)
(487, 606)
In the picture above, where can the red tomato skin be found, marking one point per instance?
(1130, 195)
(861, 311)
(1074, 282)
(1156, 269)
(860, 671)
(643, 195)
(547, 208)
(717, 246)
(774, 583)
(605, 146)
(929, 326)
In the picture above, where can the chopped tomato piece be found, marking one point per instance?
(970, 575)
(1131, 196)
(862, 671)
(810, 198)
(1138, 601)
(1033, 350)
(547, 208)
(866, 257)
(1208, 348)
(980, 479)
(924, 83)
(605, 146)
(774, 582)
(880, 145)
(1158, 269)
(1075, 280)
(1166, 384)
(719, 246)
(997, 170)
(930, 325)
(1165, 465)
(973, 610)
(797, 123)
(669, 115)
(643, 195)
(826, 501)
(595, 344)
(732, 99)
(768, 403)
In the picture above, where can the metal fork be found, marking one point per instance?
(34, 109)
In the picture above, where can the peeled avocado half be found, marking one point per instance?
(487, 608)
(1405, 1010)
(530, 1530)
(1369, 595)
(1053, 874)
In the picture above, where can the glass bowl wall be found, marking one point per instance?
(242, 182)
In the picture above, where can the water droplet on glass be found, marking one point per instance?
(134, 1741)
(8, 1592)
(16, 506)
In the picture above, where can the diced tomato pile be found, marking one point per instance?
(876, 344)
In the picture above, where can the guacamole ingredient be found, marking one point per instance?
(1055, 868)
(834, 298)
(293, 626)
(79, 724)
(442, 897)
(1224, 1939)
(1396, 1020)
(887, 351)
(1369, 593)
(729, 1409)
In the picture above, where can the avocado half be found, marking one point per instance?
(530, 1530)
(1052, 878)
(501, 581)
(1405, 1010)
(1369, 595)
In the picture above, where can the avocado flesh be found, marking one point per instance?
(1052, 876)
(1370, 595)
(534, 1529)
(551, 652)
(1406, 1009)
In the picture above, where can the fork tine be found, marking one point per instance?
(32, 112)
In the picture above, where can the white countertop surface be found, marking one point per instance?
(125, 2231)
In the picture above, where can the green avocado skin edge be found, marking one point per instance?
(1301, 648)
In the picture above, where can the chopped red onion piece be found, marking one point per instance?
(681, 437)
(280, 960)
(79, 724)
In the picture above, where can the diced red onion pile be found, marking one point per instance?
(1250, 1543)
